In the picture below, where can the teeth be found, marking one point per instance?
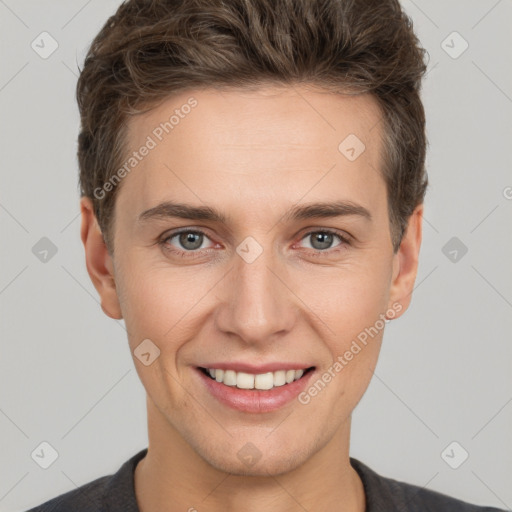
(261, 381)
(280, 378)
(244, 380)
(264, 381)
(229, 377)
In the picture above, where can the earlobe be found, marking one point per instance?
(405, 262)
(98, 261)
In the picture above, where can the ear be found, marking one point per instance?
(405, 263)
(98, 260)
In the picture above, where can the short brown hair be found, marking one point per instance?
(150, 49)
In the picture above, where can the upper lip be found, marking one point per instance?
(256, 369)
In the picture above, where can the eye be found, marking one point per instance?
(187, 241)
(322, 240)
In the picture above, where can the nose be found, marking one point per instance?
(258, 305)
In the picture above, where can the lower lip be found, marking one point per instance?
(255, 400)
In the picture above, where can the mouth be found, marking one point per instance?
(259, 381)
(254, 392)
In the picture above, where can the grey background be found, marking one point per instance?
(445, 369)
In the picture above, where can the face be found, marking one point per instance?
(288, 265)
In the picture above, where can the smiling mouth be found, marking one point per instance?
(260, 381)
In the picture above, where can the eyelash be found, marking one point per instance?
(197, 253)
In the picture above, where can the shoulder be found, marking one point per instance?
(87, 497)
(382, 493)
(108, 493)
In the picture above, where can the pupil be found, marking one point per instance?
(324, 244)
(186, 238)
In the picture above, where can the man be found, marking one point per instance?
(253, 178)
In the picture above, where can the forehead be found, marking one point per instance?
(244, 119)
(255, 145)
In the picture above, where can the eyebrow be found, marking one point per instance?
(170, 209)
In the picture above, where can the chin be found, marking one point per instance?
(274, 464)
(243, 458)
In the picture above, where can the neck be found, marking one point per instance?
(172, 477)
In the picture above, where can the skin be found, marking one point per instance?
(253, 155)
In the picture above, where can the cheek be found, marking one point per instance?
(158, 301)
(349, 297)
(351, 304)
